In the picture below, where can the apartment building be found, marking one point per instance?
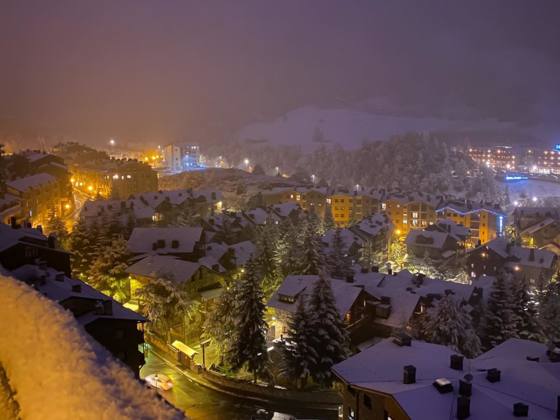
(409, 211)
(495, 157)
(350, 207)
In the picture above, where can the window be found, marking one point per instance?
(383, 206)
(367, 401)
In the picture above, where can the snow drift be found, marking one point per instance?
(57, 371)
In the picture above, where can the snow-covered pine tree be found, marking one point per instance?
(500, 320)
(249, 346)
(55, 225)
(164, 303)
(328, 221)
(330, 339)
(219, 325)
(108, 271)
(293, 239)
(338, 261)
(549, 310)
(449, 323)
(299, 354)
(311, 255)
(266, 261)
(81, 245)
(523, 306)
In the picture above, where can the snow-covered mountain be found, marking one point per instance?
(310, 126)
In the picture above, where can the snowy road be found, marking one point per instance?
(201, 403)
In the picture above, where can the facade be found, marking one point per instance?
(404, 379)
(187, 243)
(409, 211)
(308, 198)
(432, 244)
(181, 157)
(495, 157)
(350, 207)
(537, 266)
(114, 178)
(484, 220)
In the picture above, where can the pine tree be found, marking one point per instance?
(527, 326)
(449, 323)
(549, 310)
(80, 244)
(164, 303)
(311, 255)
(291, 258)
(219, 325)
(330, 339)
(55, 225)
(249, 348)
(299, 354)
(108, 271)
(500, 320)
(266, 261)
(328, 221)
(338, 261)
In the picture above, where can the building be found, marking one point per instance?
(199, 281)
(187, 243)
(312, 199)
(349, 301)
(408, 211)
(10, 207)
(495, 157)
(181, 157)
(431, 244)
(350, 207)
(31, 257)
(114, 178)
(403, 379)
(537, 266)
(485, 221)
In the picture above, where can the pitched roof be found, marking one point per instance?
(170, 267)
(31, 181)
(10, 236)
(297, 286)
(142, 240)
(426, 238)
(531, 257)
(380, 368)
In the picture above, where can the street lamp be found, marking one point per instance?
(112, 142)
(246, 161)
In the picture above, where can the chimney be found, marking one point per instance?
(456, 362)
(107, 307)
(374, 269)
(77, 288)
(13, 222)
(463, 407)
(364, 270)
(532, 254)
(443, 385)
(520, 410)
(51, 240)
(465, 386)
(409, 375)
(493, 375)
(350, 278)
(390, 271)
(59, 277)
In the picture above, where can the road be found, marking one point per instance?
(200, 403)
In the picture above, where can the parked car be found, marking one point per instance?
(159, 381)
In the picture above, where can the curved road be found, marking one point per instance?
(200, 403)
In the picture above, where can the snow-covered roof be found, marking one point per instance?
(405, 290)
(429, 239)
(243, 251)
(31, 181)
(468, 207)
(170, 267)
(530, 257)
(456, 230)
(538, 226)
(10, 236)
(348, 238)
(285, 209)
(380, 368)
(59, 287)
(296, 286)
(373, 225)
(175, 240)
(259, 216)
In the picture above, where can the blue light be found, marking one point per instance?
(500, 225)
(515, 177)
(557, 147)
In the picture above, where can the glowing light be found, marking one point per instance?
(112, 142)
(67, 206)
(535, 199)
(516, 203)
(398, 231)
(517, 268)
(90, 187)
(246, 161)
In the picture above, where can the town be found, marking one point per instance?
(290, 288)
(280, 210)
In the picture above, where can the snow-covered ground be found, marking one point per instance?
(532, 188)
(56, 371)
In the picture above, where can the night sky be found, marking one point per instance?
(159, 69)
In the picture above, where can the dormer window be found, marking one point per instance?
(286, 298)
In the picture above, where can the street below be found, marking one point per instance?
(201, 403)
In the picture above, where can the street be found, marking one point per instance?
(200, 403)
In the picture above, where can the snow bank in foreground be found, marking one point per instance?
(57, 371)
